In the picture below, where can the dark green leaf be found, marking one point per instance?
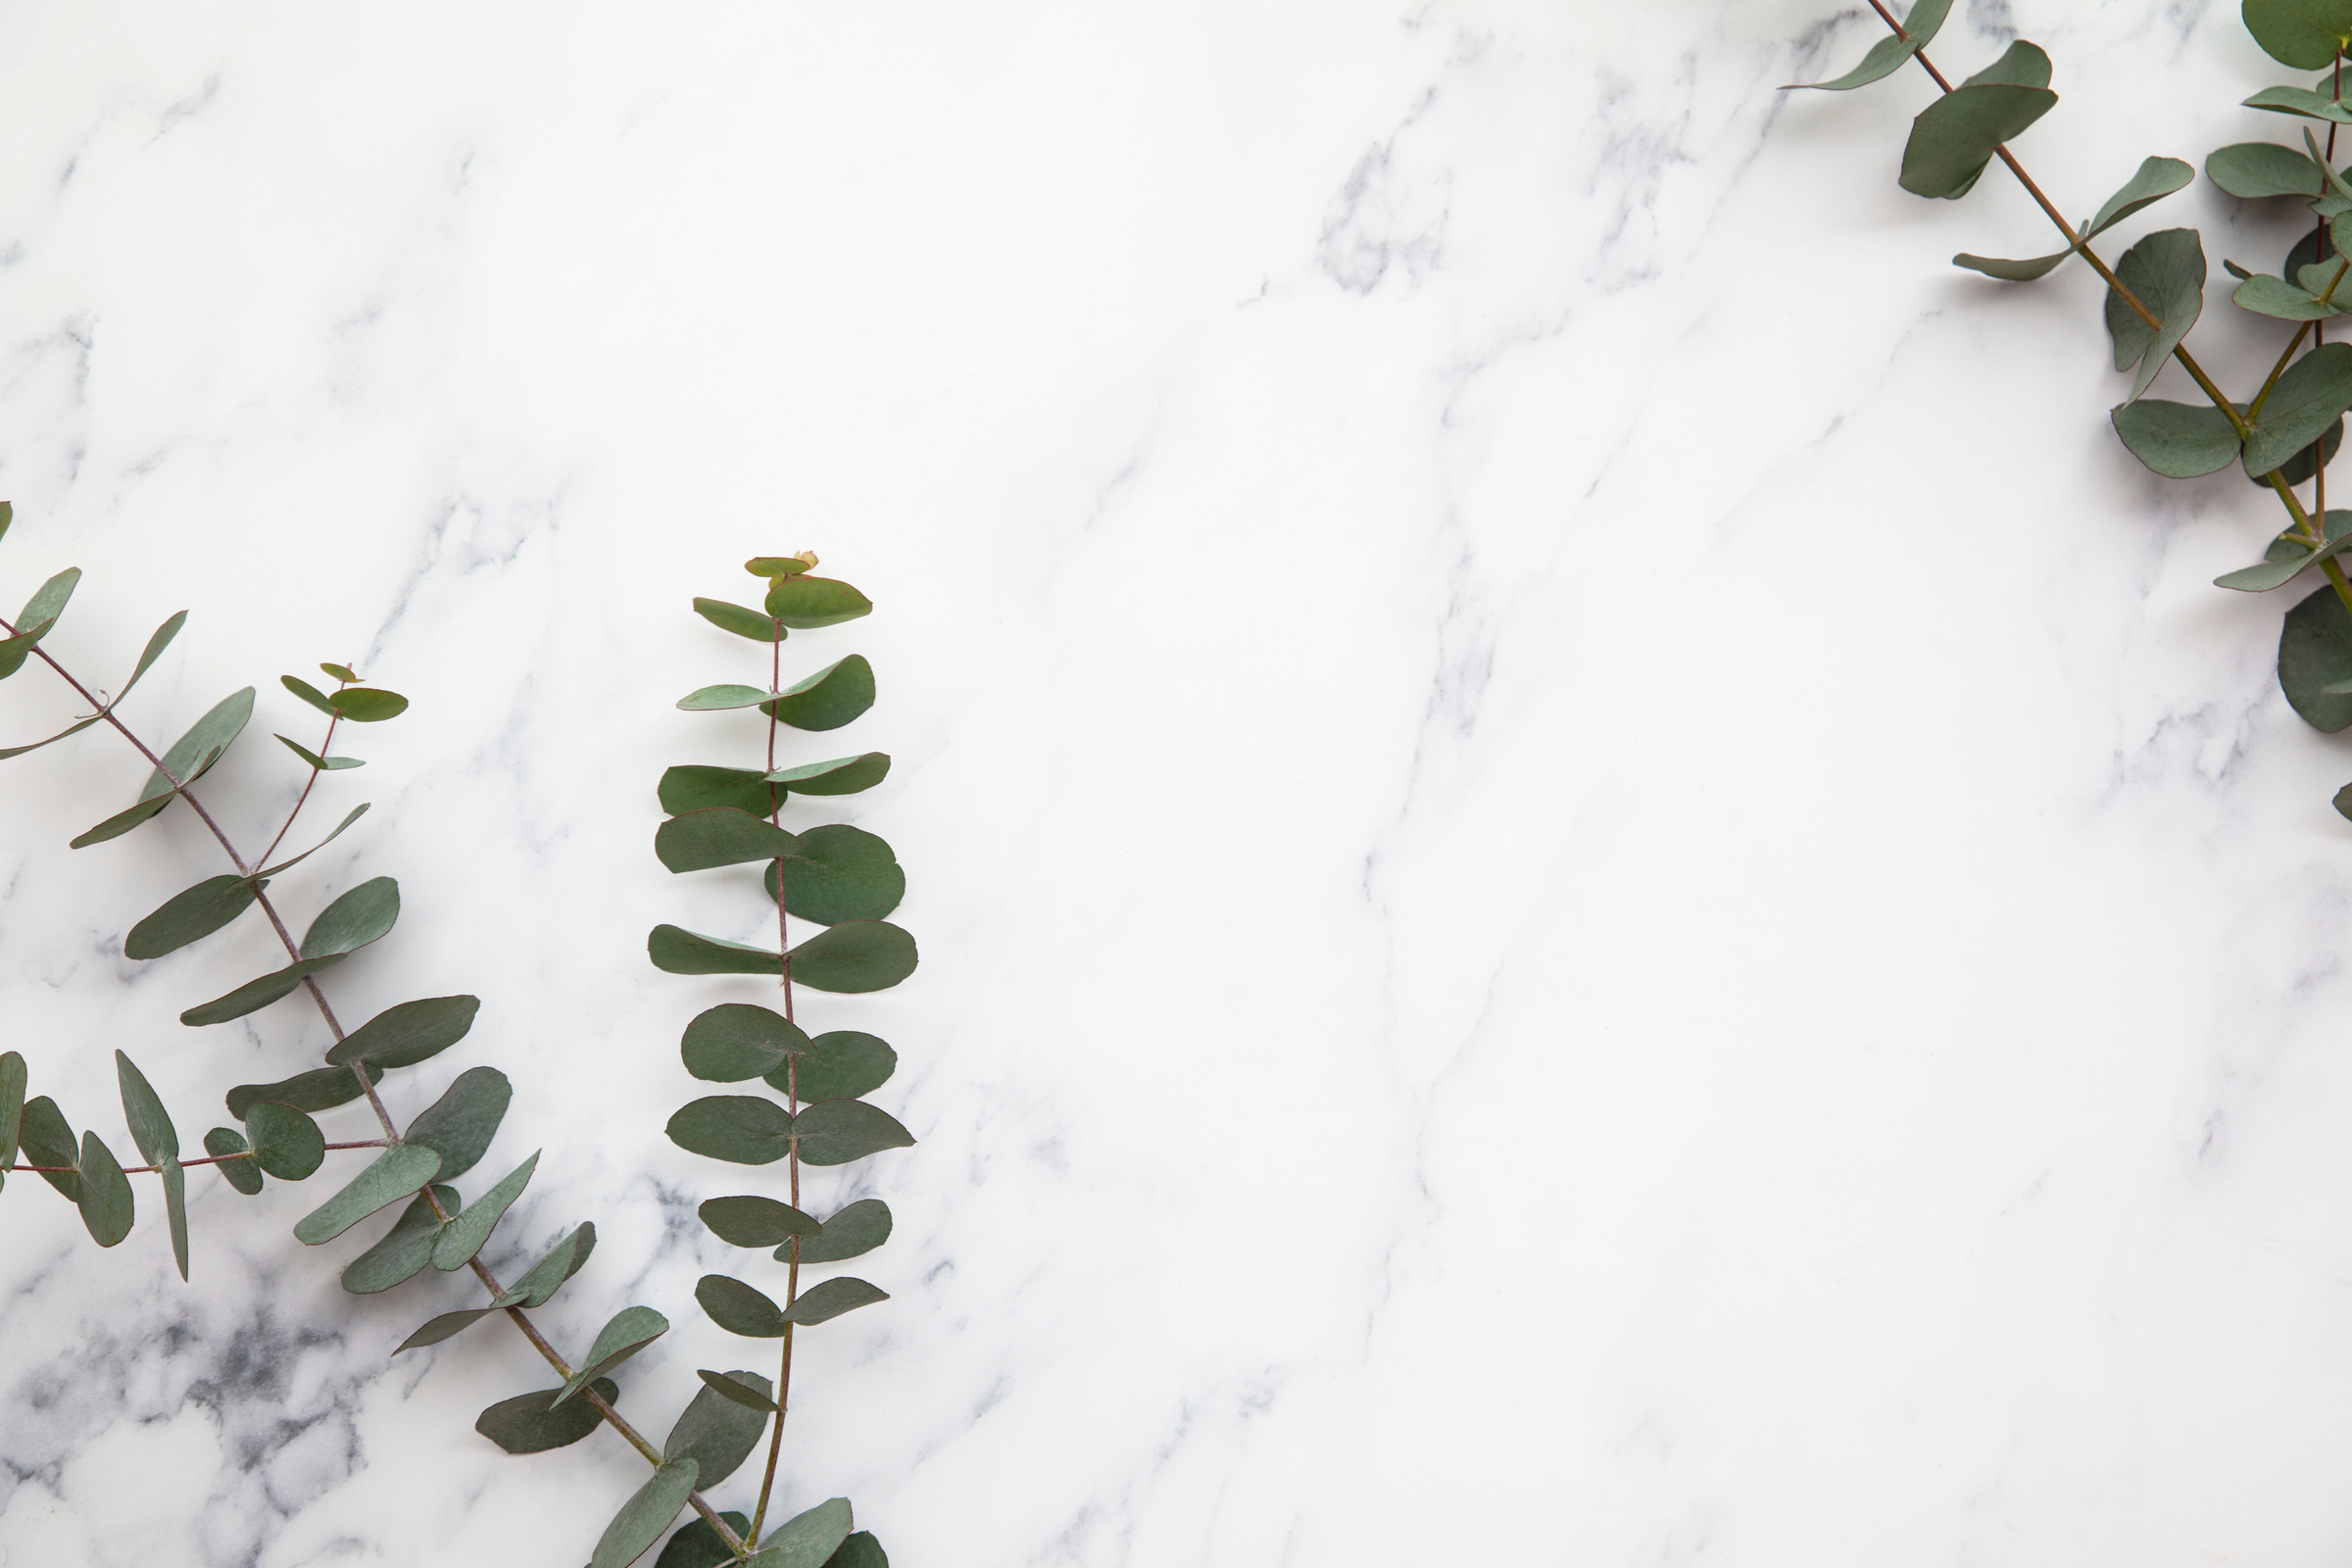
(2299, 469)
(739, 1308)
(2301, 101)
(156, 644)
(150, 1124)
(447, 1326)
(2303, 34)
(308, 693)
(45, 1137)
(255, 995)
(2315, 651)
(834, 1132)
(2253, 169)
(2315, 390)
(676, 951)
(735, 1041)
(780, 566)
(853, 1232)
(694, 788)
(1955, 137)
(465, 1234)
(406, 1249)
(190, 916)
(320, 1089)
(531, 1422)
(743, 1129)
(828, 1299)
(743, 1393)
(645, 1516)
(361, 917)
(106, 1206)
(366, 705)
(839, 1065)
(175, 1210)
(717, 1432)
(749, 1220)
(828, 698)
(562, 1261)
(122, 822)
(1888, 54)
(630, 1330)
(242, 1174)
(841, 775)
(71, 730)
(409, 1033)
(459, 1125)
(739, 620)
(698, 1545)
(2166, 272)
(2281, 300)
(286, 1144)
(2343, 802)
(2156, 178)
(700, 841)
(40, 613)
(352, 816)
(193, 755)
(858, 956)
(805, 603)
(806, 1541)
(325, 764)
(2288, 557)
(861, 1551)
(839, 873)
(341, 673)
(719, 699)
(2175, 439)
(395, 1173)
(12, 1098)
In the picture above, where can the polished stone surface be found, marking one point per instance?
(1598, 883)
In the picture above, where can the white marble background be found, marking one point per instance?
(1599, 884)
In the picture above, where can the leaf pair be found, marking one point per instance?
(751, 1130)
(831, 875)
(2182, 442)
(362, 915)
(743, 1309)
(1955, 137)
(794, 601)
(827, 700)
(736, 1040)
(750, 1221)
(856, 956)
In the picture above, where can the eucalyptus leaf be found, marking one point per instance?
(2175, 439)
(352, 816)
(190, 758)
(12, 1097)
(645, 1516)
(395, 1173)
(309, 693)
(828, 698)
(242, 1174)
(701, 841)
(342, 673)
(2155, 179)
(630, 1330)
(404, 1251)
(840, 775)
(2281, 300)
(143, 1110)
(830, 1299)
(458, 1126)
(853, 1232)
(834, 1132)
(750, 1221)
(466, 1235)
(45, 1137)
(838, 873)
(735, 1041)
(256, 994)
(2315, 651)
(362, 915)
(719, 699)
(447, 1326)
(320, 1089)
(839, 1065)
(532, 1423)
(105, 1199)
(781, 565)
(857, 956)
(157, 641)
(190, 916)
(37, 619)
(286, 1144)
(741, 1129)
(1955, 137)
(739, 1308)
(175, 1210)
(2288, 557)
(805, 603)
(861, 1551)
(1888, 54)
(739, 620)
(806, 1541)
(561, 1262)
(366, 705)
(730, 1386)
(2315, 390)
(698, 1545)
(2301, 101)
(404, 1035)
(676, 951)
(691, 787)
(70, 731)
(324, 765)
(2304, 34)
(2166, 272)
(2299, 469)
(2253, 169)
(716, 1431)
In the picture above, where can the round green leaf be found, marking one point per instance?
(531, 1422)
(828, 698)
(743, 1129)
(459, 1125)
(840, 775)
(806, 1541)
(2315, 651)
(694, 788)
(467, 1234)
(2175, 439)
(735, 1041)
(853, 1232)
(698, 1545)
(242, 1174)
(805, 603)
(717, 1432)
(834, 1132)
(858, 956)
(778, 566)
(364, 705)
(2304, 34)
(739, 1308)
(839, 1065)
(839, 873)
(1953, 138)
(822, 1302)
(286, 1144)
(2315, 390)
(719, 699)
(750, 1221)
(703, 840)
(538, 1287)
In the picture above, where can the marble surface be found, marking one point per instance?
(1598, 882)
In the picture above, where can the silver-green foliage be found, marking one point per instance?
(2282, 436)
(853, 880)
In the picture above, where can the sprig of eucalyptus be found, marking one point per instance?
(280, 1139)
(2285, 433)
(833, 875)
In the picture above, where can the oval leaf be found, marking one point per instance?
(45, 1137)
(677, 951)
(735, 1041)
(834, 1132)
(242, 1174)
(320, 1089)
(858, 956)
(750, 1221)
(286, 1144)
(824, 1302)
(105, 1197)
(828, 698)
(805, 603)
(150, 1124)
(694, 788)
(739, 620)
(2315, 651)
(364, 705)
(2305, 401)
(2175, 439)
(2303, 34)
(739, 1308)
(853, 1232)
(743, 1129)
(532, 1423)
(465, 1235)
(1953, 138)
(362, 915)
(839, 873)
(839, 1065)
(538, 1287)
(841, 775)
(719, 1431)
(700, 841)
(406, 1249)
(190, 916)
(409, 1033)
(645, 1516)
(459, 1125)
(630, 1330)
(399, 1171)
